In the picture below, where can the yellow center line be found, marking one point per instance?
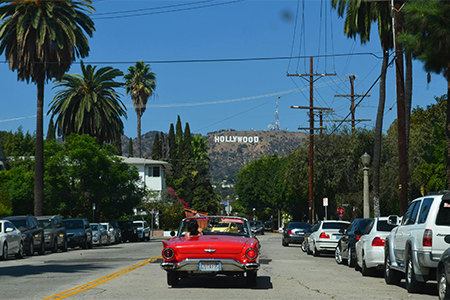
(101, 280)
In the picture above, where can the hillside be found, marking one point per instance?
(230, 150)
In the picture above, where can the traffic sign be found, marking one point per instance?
(325, 201)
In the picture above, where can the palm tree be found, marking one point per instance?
(358, 21)
(140, 84)
(199, 148)
(40, 40)
(89, 104)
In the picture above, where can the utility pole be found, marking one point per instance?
(352, 104)
(311, 76)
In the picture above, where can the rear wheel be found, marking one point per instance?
(315, 252)
(443, 286)
(64, 246)
(55, 246)
(41, 250)
(172, 278)
(411, 283)
(285, 244)
(304, 246)
(31, 248)
(365, 271)
(350, 260)
(5, 252)
(20, 254)
(251, 278)
(390, 276)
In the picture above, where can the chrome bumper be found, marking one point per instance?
(228, 265)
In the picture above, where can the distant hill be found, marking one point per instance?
(230, 150)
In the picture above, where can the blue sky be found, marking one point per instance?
(221, 94)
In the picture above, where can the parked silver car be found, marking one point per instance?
(111, 233)
(99, 235)
(143, 230)
(10, 240)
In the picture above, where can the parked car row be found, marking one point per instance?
(415, 247)
(26, 235)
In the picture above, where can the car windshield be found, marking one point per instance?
(138, 224)
(45, 223)
(334, 225)
(94, 227)
(21, 224)
(105, 226)
(218, 225)
(73, 224)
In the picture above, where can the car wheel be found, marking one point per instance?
(304, 246)
(41, 250)
(443, 286)
(308, 250)
(338, 255)
(411, 283)
(55, 246)
(284, 243)
(89, 245)
(251, 278)
(365, 271)
(350, 260)
(172, 278)
(5, 252)
(64, 246)
(390, 276)
(108, 241)
(31, 248)
(315, 252)
(20, 254)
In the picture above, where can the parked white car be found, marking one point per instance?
(111, 233)
(327, 236)
(370, 247)
(143, 230)
(10, 240)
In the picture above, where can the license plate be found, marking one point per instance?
(210, 266)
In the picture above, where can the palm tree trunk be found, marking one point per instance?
(447, 132)
(408, 100)
(39, 152)
(379, 136)
(139, 134)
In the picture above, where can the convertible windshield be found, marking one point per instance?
(217, 226)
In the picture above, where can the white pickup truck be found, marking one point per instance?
(416, 244)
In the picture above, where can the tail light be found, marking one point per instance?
(290, 232)
(428, 238)
(378, 242)
(168, 253)
(357, 237)
(323, 235)
(251, 253)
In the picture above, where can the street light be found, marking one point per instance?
(365, 158)
(254, 213)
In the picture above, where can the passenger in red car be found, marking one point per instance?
(193, 229)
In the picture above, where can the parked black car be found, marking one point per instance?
(345, 250)
(294, 233)
(129, 232)
(32, 233)
(79, 233)
(268, 226)
(54, 233)
(117, 231)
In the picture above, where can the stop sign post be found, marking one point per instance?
(340, 211)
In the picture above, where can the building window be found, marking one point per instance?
(154, 172)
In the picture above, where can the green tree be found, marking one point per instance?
(156, 150)
(426, 36)
(18, 143)
(87, 103)
(130, 148)
(40, 40)
(51, 132)
(140, 84)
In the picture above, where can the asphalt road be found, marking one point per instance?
(131, 271)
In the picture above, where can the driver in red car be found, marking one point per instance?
(193, 229)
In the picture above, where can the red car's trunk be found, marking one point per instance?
(207, 244)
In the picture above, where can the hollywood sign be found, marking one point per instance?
(236, 139)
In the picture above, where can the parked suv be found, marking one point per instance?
(416, 244)
(54, 233)
(143, 231)
(32, 233)
(129, 232)
(79, 233)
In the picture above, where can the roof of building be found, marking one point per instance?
(145, 161)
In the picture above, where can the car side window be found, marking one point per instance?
(369, 227)
(411, 213)
(424, 210)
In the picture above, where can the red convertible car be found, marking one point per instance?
(205, 252)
